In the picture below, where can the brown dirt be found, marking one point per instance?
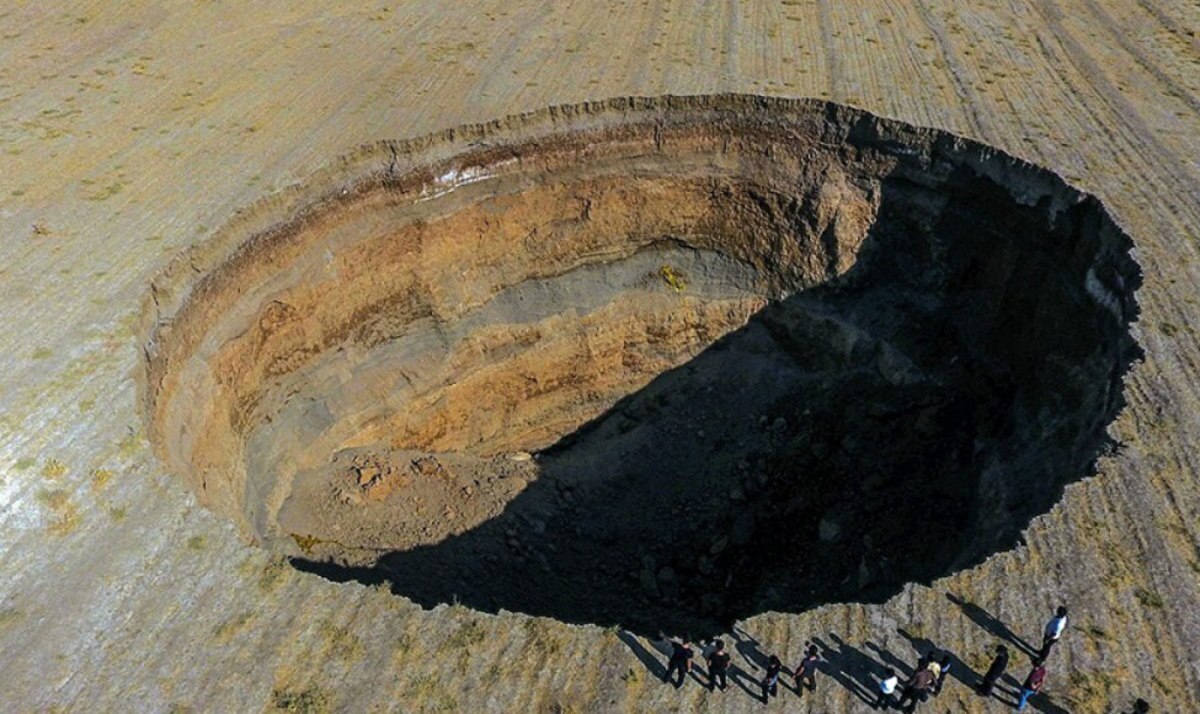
(751, 326)
(132, 134)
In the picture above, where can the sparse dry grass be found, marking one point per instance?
(224, 632)
(64, 514)
(1032, 97)
(1149, 598)
(427, 693)
(10, 616)
(1091, 691)
(540, 638)
(468, 634)
(272, 575)
(100, 479)
(54, 469)
(340, 643)
(312, 700)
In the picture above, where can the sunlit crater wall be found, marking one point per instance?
(494, 289)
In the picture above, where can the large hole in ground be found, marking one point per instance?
(657, 363)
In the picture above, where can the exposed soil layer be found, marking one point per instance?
(704, 359)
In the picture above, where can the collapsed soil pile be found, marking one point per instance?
(656, 363)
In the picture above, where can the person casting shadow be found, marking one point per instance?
(680, 662)
(916, 689)
(949, 663)
(744, 681)
(771, 667)
(770, 680)
(718, 661)
(805, 674)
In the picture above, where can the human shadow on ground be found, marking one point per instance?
(851, 667)
(929, 369)
(745, 682)
(991, 624)
(749, 648)
(960, 671)
(654, 665)
(904, 670)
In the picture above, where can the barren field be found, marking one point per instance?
(440, 356)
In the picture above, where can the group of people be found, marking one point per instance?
(926, 681)
(1037, 675)
(718, 661)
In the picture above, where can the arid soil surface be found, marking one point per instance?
(282, 432)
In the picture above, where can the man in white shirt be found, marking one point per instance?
(1054, 630)
(887, 690)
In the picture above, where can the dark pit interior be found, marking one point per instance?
(665, 365)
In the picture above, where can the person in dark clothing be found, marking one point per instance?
(770, 683)
(918, 687)
(1141, 706)
(718, 666)
(681, 661)
(887, 690)
(1033, 684)
(806, 672)
(994, 671)
(941, 679)
(1053, 632)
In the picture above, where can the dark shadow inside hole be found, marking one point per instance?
(899, 423)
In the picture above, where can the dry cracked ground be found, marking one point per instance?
(431, 356)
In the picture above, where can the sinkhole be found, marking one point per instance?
(661, 363)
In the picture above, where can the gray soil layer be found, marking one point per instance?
(152, 567)
(706, 360)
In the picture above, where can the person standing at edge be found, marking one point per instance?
(1054, 631)
(681, 660)
(994, 671)
(770, 683)
(917, 688)
(941, 680)
(887, 690)
(1033, 683)
(934, 667)
(718, 666)
(806, 672)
